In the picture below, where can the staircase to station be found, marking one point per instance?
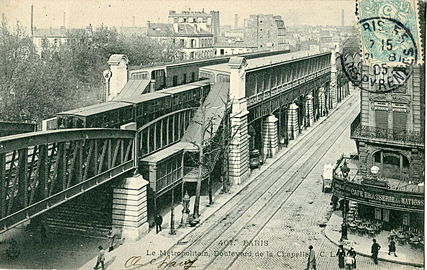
(89, 214)
(211, 112)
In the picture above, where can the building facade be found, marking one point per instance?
(207, 21)
(266, 31)
(192, 42)
(230, 48)
(386, 179)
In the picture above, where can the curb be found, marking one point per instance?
(369, 256)
(260, 171)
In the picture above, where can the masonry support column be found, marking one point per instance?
(239, 147)
(269, 131)
(130, 207)
(293, 130)
(333, 86)
(309, 102)
(321, 102)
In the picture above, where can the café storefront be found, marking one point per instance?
(395, 208)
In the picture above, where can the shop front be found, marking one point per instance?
(394, 208)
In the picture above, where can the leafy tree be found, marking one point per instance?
(36, 86)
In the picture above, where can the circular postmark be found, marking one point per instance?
(388, 52)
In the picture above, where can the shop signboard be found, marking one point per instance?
(379, 196)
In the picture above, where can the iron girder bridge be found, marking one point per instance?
(41, 170)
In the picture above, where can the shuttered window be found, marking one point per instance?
(399, 121)
(381, 119)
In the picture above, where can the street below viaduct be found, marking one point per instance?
(271, 223)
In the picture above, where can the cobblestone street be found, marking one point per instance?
(274, 231)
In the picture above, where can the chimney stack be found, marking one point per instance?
(63, 20)
(32, 20)
(133, 21)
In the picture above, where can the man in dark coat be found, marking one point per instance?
(341, 256)
(374, 250)
(159, 221)
(345, 169)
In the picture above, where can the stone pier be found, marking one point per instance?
(309, 106)
(269, 135)
(130, 207)
(293, 130)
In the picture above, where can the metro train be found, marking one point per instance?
(173, 74)
(140, 109)
(176, 86)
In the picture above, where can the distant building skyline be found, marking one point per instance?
(116, 13)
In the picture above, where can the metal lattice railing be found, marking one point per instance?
(390, 135)
(40, 170)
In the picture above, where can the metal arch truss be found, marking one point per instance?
(163, 131)
(41, 170)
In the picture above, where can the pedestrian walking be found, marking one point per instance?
(374, 250)
(341, 255)
(112, 237)
(352, 253)
(100, 259)
(349, 262)
(159, 221)
(311, 263)
(392, 248)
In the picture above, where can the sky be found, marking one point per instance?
(81, 13)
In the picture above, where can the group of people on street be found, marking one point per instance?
(348, 260)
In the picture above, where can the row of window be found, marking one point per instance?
(262, 80)
(399, 119)
(168, 172)
(185, 79)
(192, 20)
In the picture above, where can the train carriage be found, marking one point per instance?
(149, 106)
(189, 95)
(104, 115)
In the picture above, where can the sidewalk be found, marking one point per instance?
(362, 244)
(164, 241)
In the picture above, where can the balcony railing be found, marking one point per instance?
(389, 135)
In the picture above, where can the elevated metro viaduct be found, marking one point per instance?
(272, 100)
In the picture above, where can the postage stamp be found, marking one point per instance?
(389, 32)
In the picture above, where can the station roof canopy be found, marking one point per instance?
(264, 61)
(132, 88)
(94, 109)
(141, 98)
(164, 153)
(180, 88)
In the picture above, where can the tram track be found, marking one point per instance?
(257, 223)
(263, 199)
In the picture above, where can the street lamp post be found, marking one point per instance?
(172, 230)
(185, 209)
(344, 219)
(345, 171)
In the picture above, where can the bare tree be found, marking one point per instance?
(214, 146)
